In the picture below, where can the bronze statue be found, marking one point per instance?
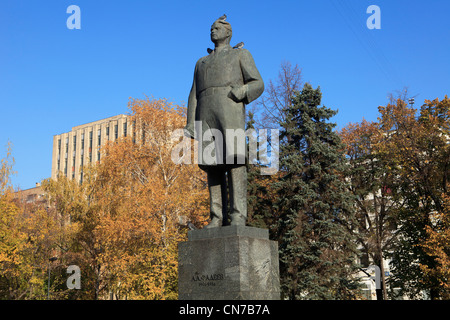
(224, 82)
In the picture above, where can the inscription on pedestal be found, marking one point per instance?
(205, 280)
(232, 262)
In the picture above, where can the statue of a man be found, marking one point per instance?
(224, 81)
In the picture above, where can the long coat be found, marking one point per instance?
(212, 105)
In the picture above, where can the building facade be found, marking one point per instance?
(81, 146)
(32, 195)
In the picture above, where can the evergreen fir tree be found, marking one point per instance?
(315, 208)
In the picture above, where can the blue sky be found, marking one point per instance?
(53, 78)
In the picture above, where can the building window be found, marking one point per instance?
(124, 129)
(67, 146)
(116, 131)
(99, 134)
(90, 140)
(82, 149)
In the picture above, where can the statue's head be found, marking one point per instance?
(221, 31)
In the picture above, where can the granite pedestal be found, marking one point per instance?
(228, 263)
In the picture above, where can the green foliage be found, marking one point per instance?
(317, 251)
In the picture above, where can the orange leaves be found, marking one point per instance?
(436, 112)
(141, 196)
(437, 245)
(359, 138)
(414, 139)
(410, 157)
(121, 226)
(396, 116)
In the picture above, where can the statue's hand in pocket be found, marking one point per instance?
(238, 93)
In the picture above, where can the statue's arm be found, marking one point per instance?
(192, 106)
(253, 83)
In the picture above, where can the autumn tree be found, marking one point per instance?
(75, 207)
(129, 208)
(28, 234)
(11, 240)
(155, 194)
(437, 245)
(15, 271)
(375, 186)
(416, 144)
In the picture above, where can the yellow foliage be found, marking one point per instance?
(129, 207)
(121, 226)
(437, 245)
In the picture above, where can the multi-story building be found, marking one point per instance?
(32, 195)
(81, 146)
